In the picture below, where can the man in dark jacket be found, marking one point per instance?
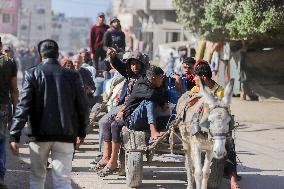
(53, 100)
(147, 94)
(8, 98)
(132, 69)
(86, 76)
(114, 37)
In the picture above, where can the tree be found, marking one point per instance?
(233, 20)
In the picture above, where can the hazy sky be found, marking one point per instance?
(81, 8)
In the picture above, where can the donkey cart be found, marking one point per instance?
(135, 146)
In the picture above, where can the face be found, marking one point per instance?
(77, 61)
(187, 68)
(8, 53)
(196, 80)
(101, 19)
(157, 81)
(85, 56)
(116, 24)
(219, 124)
(135, 67)
(69, 65)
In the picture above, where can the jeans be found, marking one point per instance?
(142, 116)
(5, 117)
(61, 154)
(2, 159)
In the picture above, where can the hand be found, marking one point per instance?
(175, 76)
(165, 106)
(15, 148)
(88, 90)
(119, 115)
(111, 52)
(79, 141)
(93, 56)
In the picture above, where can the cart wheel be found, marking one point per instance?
(122, 161)
(216, 175)
(134, 169)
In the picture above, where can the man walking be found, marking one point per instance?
(96, 39)
(8, 96)
(54, 102)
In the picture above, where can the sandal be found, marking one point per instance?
(96, 160)
(97, 167)
(106, 171)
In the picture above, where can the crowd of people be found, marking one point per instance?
(58, 94)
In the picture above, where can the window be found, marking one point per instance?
(24, 27)
(172, 37)
(41, 11)
(6, 18)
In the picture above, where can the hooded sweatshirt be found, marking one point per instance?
(143, 90)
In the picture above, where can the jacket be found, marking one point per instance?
(54, 102)
(114, 38)
(96, 37)
(143, 90)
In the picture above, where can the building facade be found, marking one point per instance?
(35, 21)
(72, 33)
(9, 10)
(152, 22)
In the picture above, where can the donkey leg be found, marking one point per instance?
(196, 159)
(206, 169)
(188, 166)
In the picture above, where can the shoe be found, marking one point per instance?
(97, 167)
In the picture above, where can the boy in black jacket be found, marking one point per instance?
(140, 111)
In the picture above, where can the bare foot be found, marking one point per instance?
(234, 184)
(155, 135)
(112, 166)
(103, 161)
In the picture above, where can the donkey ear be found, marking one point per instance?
(228, 93)
(208, 97)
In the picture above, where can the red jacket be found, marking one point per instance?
(96, 37)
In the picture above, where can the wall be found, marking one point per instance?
(9, 16)
(35, 22)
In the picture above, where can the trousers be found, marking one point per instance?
(61, 154)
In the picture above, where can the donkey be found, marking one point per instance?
(213, 144)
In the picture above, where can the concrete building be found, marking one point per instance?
(152, 22)
(35, 21)
(72, 33)
(80, 32)
(61, 31)
(9, 10)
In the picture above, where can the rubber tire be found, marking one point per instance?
(134, 169)
(217, 172)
